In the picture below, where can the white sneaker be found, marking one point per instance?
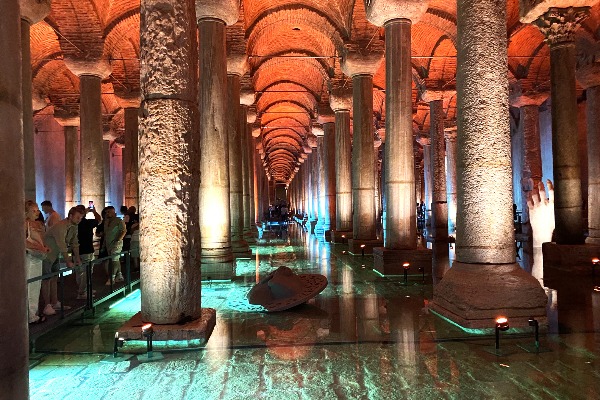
(119, 277)
(49, 310)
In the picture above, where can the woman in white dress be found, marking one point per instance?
(35, 250)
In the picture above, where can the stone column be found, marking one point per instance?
(450, 135)
(71, 163)
(559, 26)
(215, 218)
(14, 368)
(439, 202)
(362, 69)
(425, 142)
(485, 281)
(320, 194)
(93, 150)
(106, 155)
(130, 158)
(246, 176)
(341, 105)
(330, 178)
(31, 12)
(588, 76)
(169, 176)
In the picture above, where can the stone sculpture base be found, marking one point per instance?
(572, 258)
(390, 261)
(474, 295)
(199, 329)
(355, 249)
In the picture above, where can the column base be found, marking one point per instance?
(197, 330)
(355, 249)
(240, 249)
(474, 295)
(311, 226)
(390, 261)
(572, 258)
(320, 230)
(217, 270)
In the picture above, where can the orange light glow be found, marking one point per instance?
(362, 246)
(595, 260)
(501, 320)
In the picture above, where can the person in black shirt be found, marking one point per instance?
(85, 235)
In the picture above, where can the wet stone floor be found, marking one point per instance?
(364, 337)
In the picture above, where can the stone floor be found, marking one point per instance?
(364, 337)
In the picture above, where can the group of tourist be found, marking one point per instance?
(52, 240)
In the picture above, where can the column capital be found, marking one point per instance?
(66, 119)
(380, 12)
(227, 11)
(559, 24)
(428, 95)
(424, 140)
(520, 98)
(237, 64)
(78, 66)
(355, 63)
(340, 99)
(247, 97)
(450, 134)
(34, 11)
(251, 117)
(255, 132)
(326, 114)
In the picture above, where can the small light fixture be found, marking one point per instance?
(595, 262)
(501, 325)
(148, 333)
(119, 342)
(406, 267)
(536, 331)
(362, 249)
(596, 288)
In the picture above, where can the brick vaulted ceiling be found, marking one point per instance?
(293, 50)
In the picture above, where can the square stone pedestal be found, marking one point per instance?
(474, 295)
(197, 330)
(572, 258)
(354, 246)
(390, 261)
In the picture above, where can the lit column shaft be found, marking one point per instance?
(450, 136)
(593, 136)
(92, 146)
(399, 175)
(439, 202)
(71, 161)
(14, 371)
(330, 175)
(28, 129)
(130, 158)
(363, 159)
(169, 175)
(343, 171)
(216, 252)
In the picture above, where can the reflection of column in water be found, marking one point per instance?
(552, 310)
(537, 269)
(257, 267)
(347, 317)
(347, 280)
(596, 308)
(324, 260)
(441, 261)
(369, 323)
(406, 344)
(219, 345)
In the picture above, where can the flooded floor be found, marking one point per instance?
(364, 337)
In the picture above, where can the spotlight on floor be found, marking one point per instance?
(148, 334)
(116, 356)
(536, 331)
(362, 249)
(501, 325)
(595, 262)
(535, 347)
(406, 267)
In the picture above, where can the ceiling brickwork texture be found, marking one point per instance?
(294, 51)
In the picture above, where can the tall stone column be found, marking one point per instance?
(130, 158)
(425, 143)
(31, 12)
(588, 76)
(106, 154)
(439, 202)
(330, 179)
(92, 147)
(14, 368)
(71, 163)
(362, 69)
(450, 136)
(559, 26)
(341, 104)
(169, 176)
(246, 175)
(320, 194)
(485, 281)
(236, 131)
(215, 217)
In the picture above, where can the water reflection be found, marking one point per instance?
(440, 261)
